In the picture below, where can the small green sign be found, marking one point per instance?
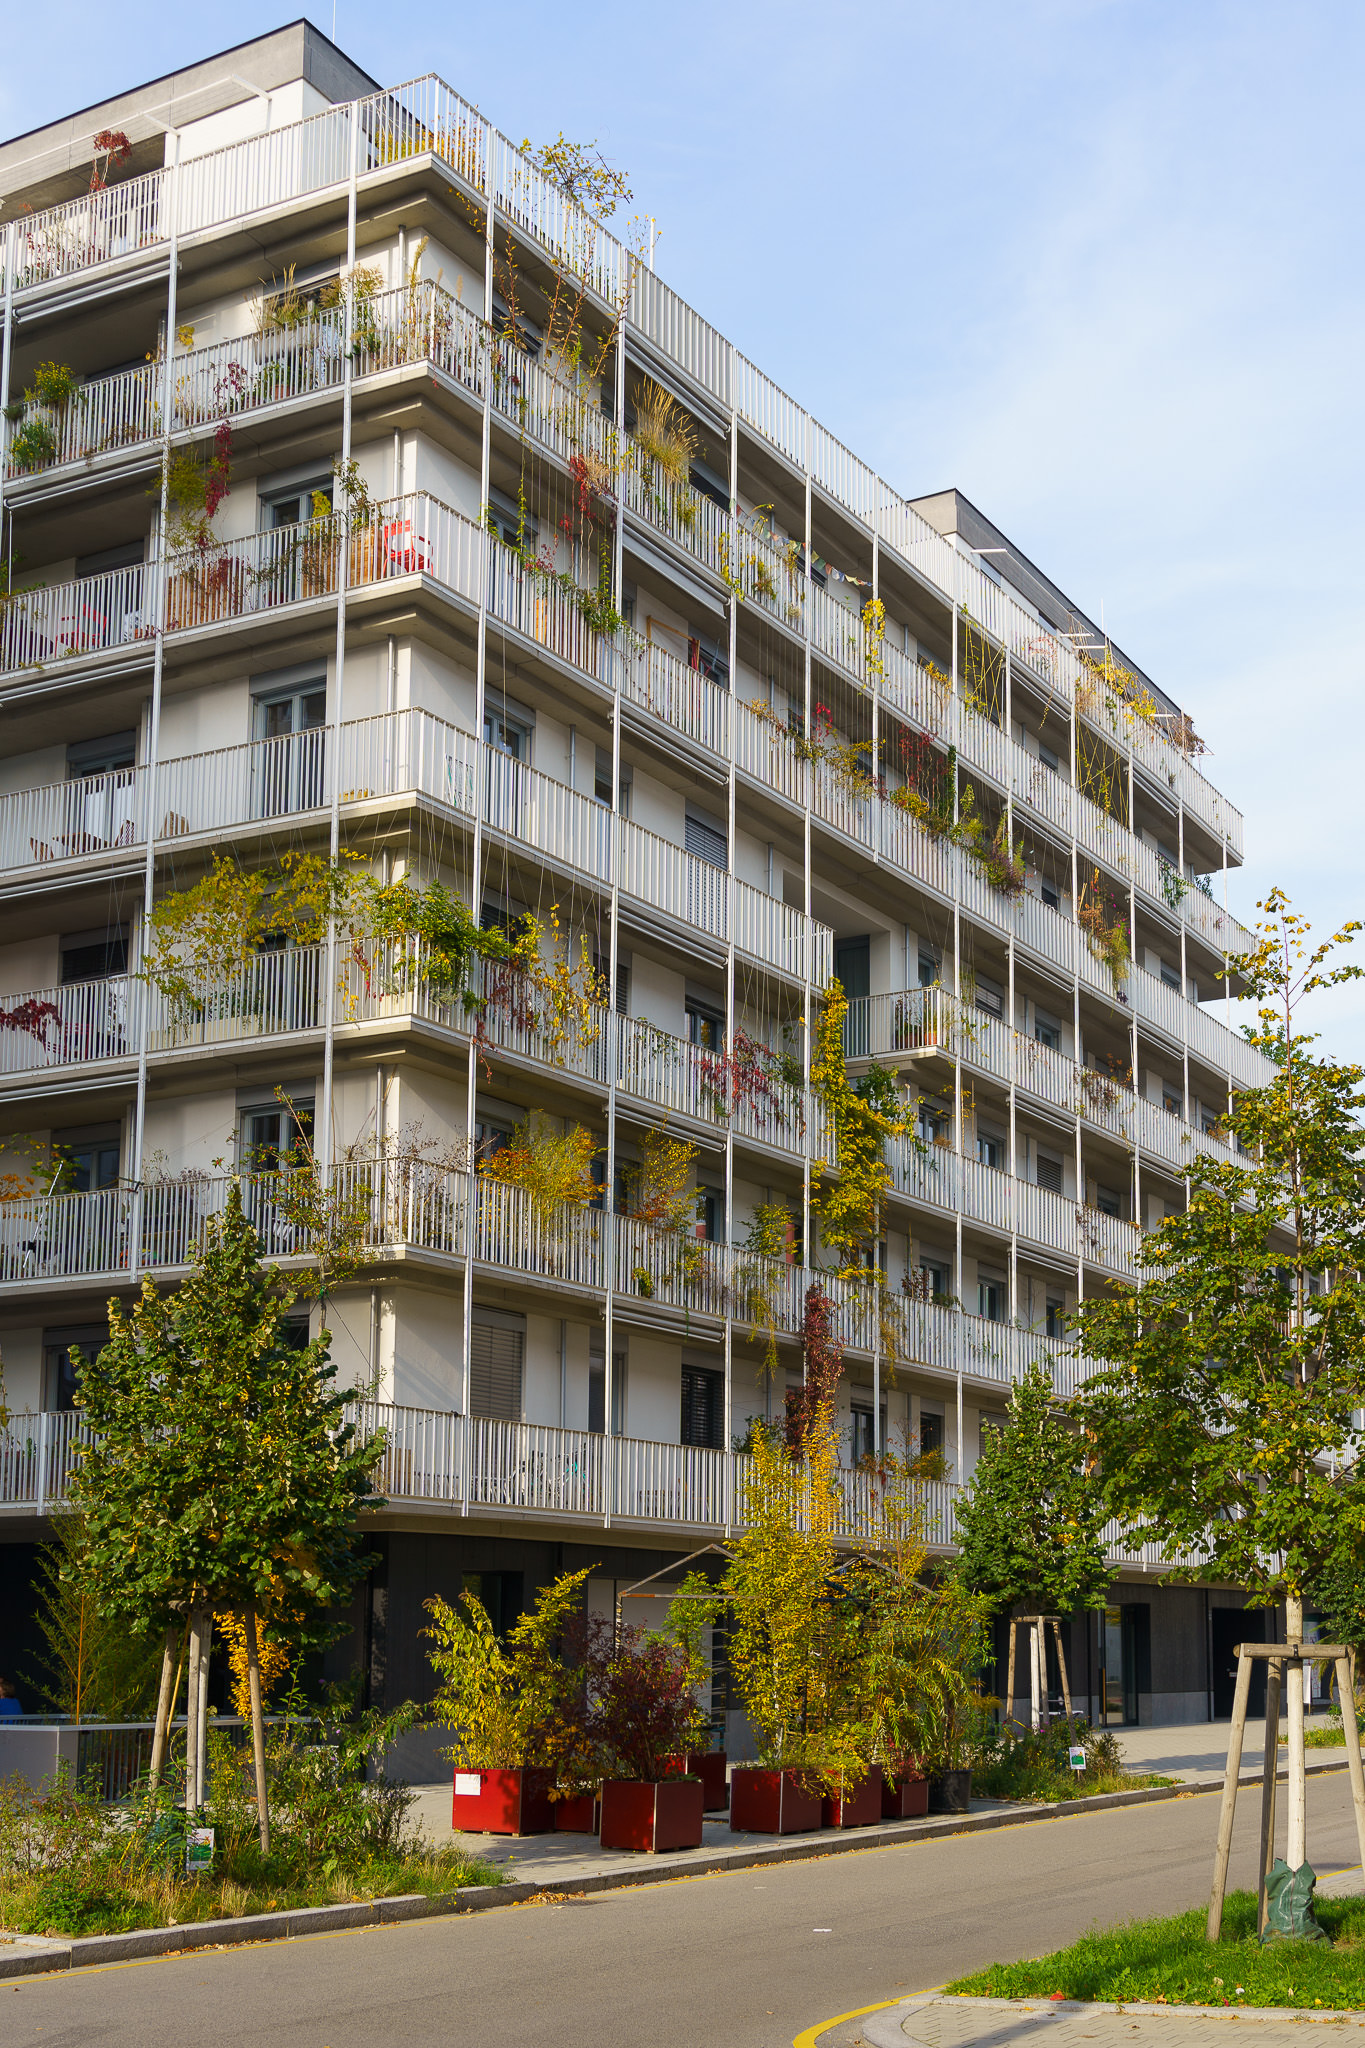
(199, 1852)
(1077, 1758)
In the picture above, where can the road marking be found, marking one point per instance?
(812, 2034)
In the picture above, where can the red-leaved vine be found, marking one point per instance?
(824, 1360)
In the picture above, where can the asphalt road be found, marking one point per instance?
(744, 1960)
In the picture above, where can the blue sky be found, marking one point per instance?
(1097, 262)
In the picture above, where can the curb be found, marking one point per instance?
(887, 2028)
(25, 1956)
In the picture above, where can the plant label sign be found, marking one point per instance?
(199, 1852)
(1077, 1758)
(468, 1784)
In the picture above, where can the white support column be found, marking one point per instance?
(806, 786)
(1184, 971)
(730, 1019)
(323, 1137)
(159, 588)
(476, 847)
(614, 969)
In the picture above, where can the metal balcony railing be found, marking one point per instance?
(435, 1458)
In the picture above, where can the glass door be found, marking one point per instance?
(291, 767)
(1118, 1668)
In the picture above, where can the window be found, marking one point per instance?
(601, 786)
(705, 841)
(1171, 1102)
(933, 1125)
(990, 1150)
(61, 1375)
(703, 1407)
(1208, 1123)
(271, 1138)
(1046, 1032)
(711, 1214)
(499, 1594)
(490, 1135)
(705, 1026)
(597, 1385)
(294, 503)
(1049, 896)
(507, 520)
(928, 969)
(863, 1440)
(290, 767)
(521, 332)
(709, 658)
(930, 1433)
(989, 1000)
(990, 1300)
(294, 1332)
(1048, 758)
(1170, 977)
(90, 956)
(938, 1280)
(92, 1154)
(509, 735)
(129, 556)
(1056, 1317)
(711, 484)
(603, 969)
(497, 1355)
(1048, 1173)
(1109, 1201)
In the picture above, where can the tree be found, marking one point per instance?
(1225, 1412)
(1031, 1522)
(220, 1471)
(92, 1666)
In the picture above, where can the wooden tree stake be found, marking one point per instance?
(253, 1673)
(164, 1703)
(1269, 1767)
(1229, 1806)
(1349, 1729)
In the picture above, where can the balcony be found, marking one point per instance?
(919, 1023)
(472, 1466)
(424, 121)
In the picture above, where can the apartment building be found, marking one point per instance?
(528, 582)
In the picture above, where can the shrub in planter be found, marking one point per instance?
(855, 1806)
(511, 1707)
(640, 1711)
(905, 1792)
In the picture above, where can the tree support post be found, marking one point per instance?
(1269, 1768)
(1229, 1806)
(253, 1673)
(1009, 1676)
(1061, 1665)
(1346, 1691)
(164, 1703)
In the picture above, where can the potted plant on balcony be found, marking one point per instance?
(640, 1694)
(509, 1705)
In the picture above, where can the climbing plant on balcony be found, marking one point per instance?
(540, 980)
(552, 1166)
(759, 1269)
(1104, 920)
(927, 793)
(659, 1192)
(863, 1118)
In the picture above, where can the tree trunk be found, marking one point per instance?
(164, 1707)
(192, 1790)
(202, 1721)
(1035, 1711)
(1294, 1851)
(1009, 1676)
(253, 1672)
(1061, 1666)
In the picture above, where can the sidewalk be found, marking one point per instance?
(1198, 1751)
(931, 2021)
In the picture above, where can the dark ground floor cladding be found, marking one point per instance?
(1156, 1654)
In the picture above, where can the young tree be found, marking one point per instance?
(1225, 1415)
(221, 1472)
(1031, 1522)
(93, 1665)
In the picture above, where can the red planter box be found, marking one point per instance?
(578, 1816)
(860, 1808)
(709, 1766)
(772, 1803)
(905, 1795)
(503, 1802)
(652, 1817)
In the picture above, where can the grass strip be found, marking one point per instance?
(1169, 1962)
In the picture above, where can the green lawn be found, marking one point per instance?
(1169, 1961)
